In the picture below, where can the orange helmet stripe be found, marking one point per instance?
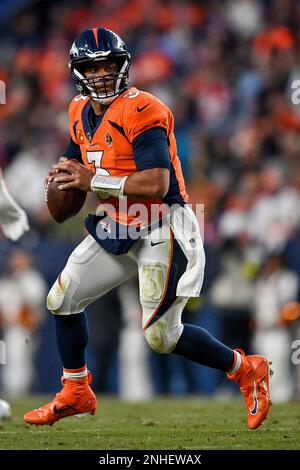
(95, 31)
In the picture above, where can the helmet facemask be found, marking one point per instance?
(111, 84)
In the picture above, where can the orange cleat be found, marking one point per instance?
(75, 398)
(253, 377)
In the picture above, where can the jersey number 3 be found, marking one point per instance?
(95, 157)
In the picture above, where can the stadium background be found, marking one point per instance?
(225, 68)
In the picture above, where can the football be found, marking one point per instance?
(5, 410)
(63, 204)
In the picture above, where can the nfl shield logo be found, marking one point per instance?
(80, 136)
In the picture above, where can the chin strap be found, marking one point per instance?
(111, 185)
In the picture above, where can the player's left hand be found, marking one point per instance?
(80, 176)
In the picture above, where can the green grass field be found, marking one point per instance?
(188, 424)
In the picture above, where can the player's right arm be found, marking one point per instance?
(152, 183)
(152, 178)
(146, 123)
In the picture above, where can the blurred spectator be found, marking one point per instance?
(275, 290)
(22, 296)
(105, 324)
(233, 304)
(244, 16)
(134, 353)
(276, 212)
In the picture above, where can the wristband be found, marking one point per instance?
(112, 185)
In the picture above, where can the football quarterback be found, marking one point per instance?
(123, 148)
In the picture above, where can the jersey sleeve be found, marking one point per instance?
(151, 150)
(143, 113)
(72, 121)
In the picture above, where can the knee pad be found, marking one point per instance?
(161, 337)
(60, 295)
(152, 282)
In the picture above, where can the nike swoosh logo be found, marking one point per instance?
(156, 243)
(64, 408)
(254, 410)
(141, 109)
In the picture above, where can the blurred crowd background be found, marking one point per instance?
(227, 70)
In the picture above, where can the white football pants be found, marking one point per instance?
(91, 272)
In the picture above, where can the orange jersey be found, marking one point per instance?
(107, 149)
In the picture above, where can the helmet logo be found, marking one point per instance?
(95, 55)
(120, 43)
(74, 50)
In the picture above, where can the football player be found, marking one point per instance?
(122, 145)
